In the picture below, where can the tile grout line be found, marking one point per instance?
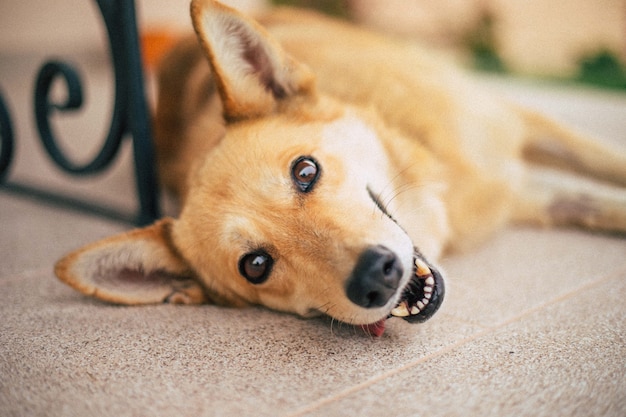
(481, 333)
(562, 297)
(358, 387)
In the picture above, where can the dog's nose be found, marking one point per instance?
(375, 278)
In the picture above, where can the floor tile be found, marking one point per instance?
(64, 350)
(564, 360)
(35, 235)
(523, 268)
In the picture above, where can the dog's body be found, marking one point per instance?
(320, 165)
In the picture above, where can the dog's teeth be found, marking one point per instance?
(421, 271)
(400, 311)
(422, 268)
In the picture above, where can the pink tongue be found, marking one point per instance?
(374, 329)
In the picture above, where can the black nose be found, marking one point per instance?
(375, 277)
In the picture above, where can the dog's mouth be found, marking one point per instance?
(421, 297)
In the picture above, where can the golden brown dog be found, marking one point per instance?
(322, 169)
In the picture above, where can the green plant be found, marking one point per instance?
(331, 7)
(602, 68)
(481, 43)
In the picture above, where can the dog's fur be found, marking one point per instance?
(409, 155)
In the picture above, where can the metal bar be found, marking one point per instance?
(66, 202)
(6, 139)
(139, 120)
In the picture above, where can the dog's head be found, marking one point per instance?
(292, 209)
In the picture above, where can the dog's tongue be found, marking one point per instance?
(374, 329)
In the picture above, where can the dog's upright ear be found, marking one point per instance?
(251, 69)
(138, 267)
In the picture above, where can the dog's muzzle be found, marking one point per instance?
(421, 297)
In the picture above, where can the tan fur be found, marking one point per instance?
(450, 164)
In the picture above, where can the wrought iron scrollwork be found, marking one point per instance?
(130, 113)
(44, 109)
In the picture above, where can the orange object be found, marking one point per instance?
(154, 44)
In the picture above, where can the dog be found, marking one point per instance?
(323, 170)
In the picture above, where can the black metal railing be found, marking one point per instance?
(6, 137)
(130, 117)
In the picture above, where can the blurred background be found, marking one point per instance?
(573, 39)
(544, 54)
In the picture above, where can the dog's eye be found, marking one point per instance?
(305, 171)
(256, 266)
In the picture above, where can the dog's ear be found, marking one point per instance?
(252, 71)
(137, 267)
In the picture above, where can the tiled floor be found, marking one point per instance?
(534, 322)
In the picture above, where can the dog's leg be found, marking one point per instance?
(549, 143)
(552, 197)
